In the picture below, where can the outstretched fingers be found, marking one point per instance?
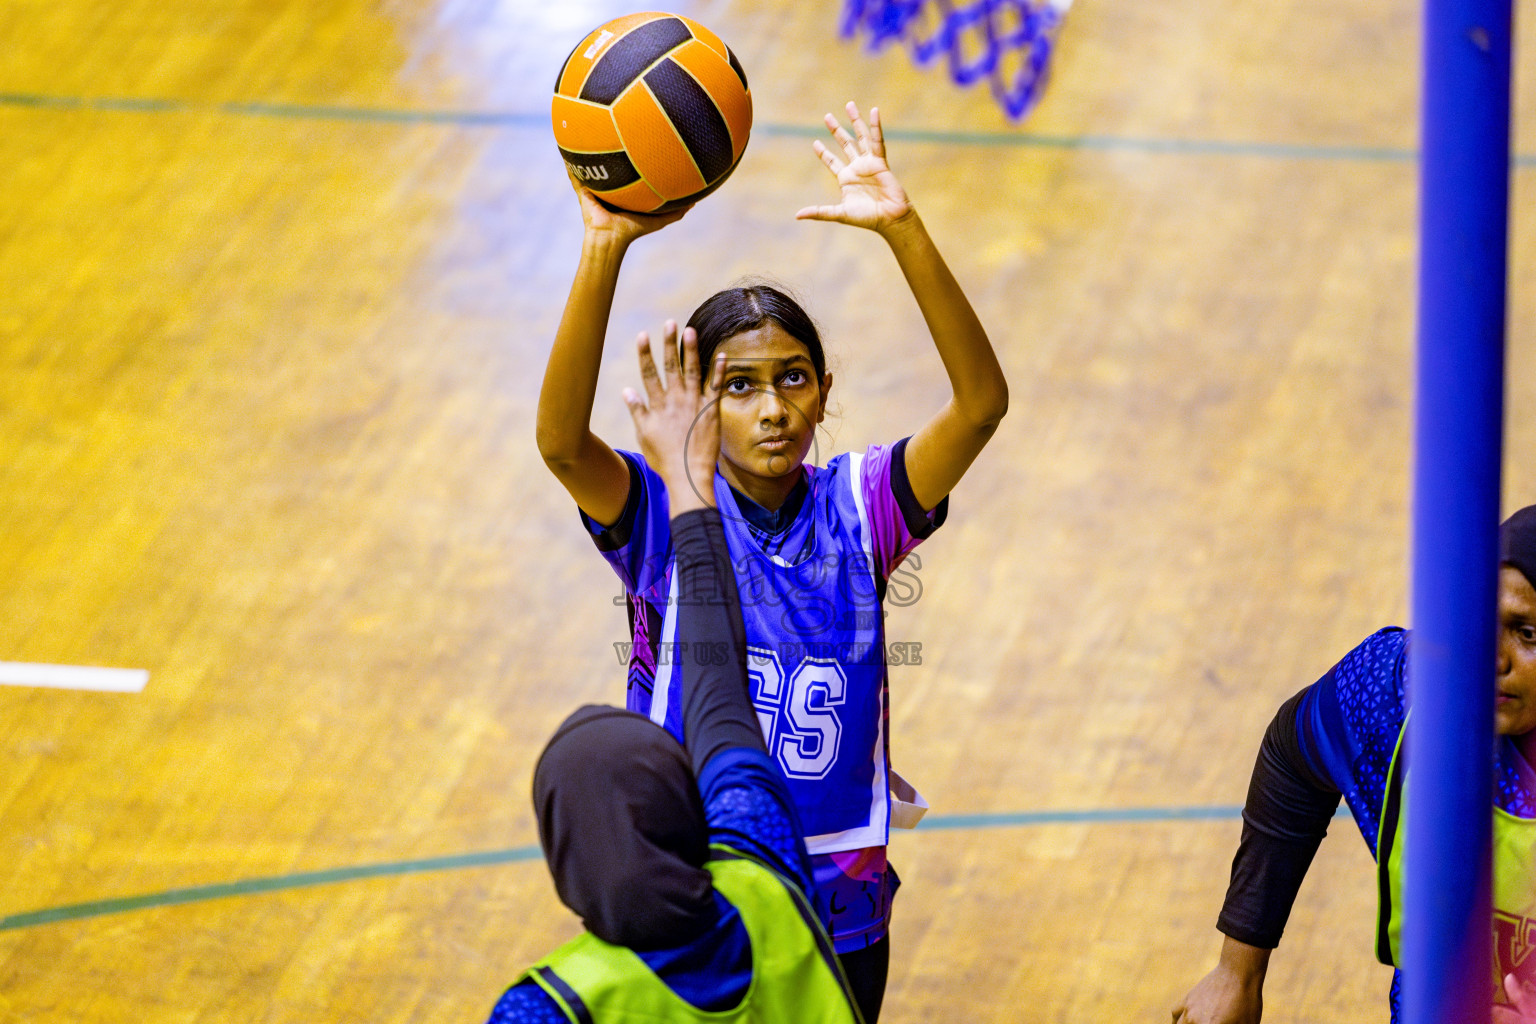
(819, 213)
(678, 378)
(827, 157)
(859, 127)
(669, 369)
(637, 410)
(690, 361)
(704, 432)
(648, 376)
(850, 147)
(833, 164)
(717, 374)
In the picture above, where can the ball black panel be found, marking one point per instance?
(565, 64)
(693, 113)
(604, 171)
(678, 204)
(736, 67)
(629, 55)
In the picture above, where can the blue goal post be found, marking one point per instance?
(1459, 420)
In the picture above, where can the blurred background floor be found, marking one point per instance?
(280, 279)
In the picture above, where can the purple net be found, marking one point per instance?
(1006, 42)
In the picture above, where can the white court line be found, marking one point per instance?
(73, 677)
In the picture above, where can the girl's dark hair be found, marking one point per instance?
(729, 312)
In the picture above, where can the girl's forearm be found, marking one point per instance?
(976, 378)
(570, 378)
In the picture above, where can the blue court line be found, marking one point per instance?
(281, 883)
(538, 120)
(1129, 815)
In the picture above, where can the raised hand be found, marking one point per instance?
(872, 197)
(677, 422)
(622, 225)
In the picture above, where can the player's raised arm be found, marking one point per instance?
(746, 801)
(678, 424)
(944, 448)
(593, 473)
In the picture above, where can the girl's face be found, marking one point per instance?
(1515, 712)
(769, 408)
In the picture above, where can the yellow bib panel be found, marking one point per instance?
(795, 975)
(1514, 883)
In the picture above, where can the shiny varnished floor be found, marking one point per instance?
(278, 281)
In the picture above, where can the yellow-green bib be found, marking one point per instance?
(1514, 882)
(795, 975)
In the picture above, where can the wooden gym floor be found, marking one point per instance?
(279, 278)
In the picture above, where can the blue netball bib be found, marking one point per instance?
(811, 605)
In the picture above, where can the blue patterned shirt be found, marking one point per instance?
(1348, 724)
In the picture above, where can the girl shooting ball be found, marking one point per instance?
(812, 546)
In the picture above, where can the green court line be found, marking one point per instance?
(467, 118)
(281, 883)
(11, 99)
(1126, 143)
(538, 120)
(250, 886)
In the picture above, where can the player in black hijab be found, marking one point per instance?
(685, 865)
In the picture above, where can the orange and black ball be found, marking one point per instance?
(651, 112)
